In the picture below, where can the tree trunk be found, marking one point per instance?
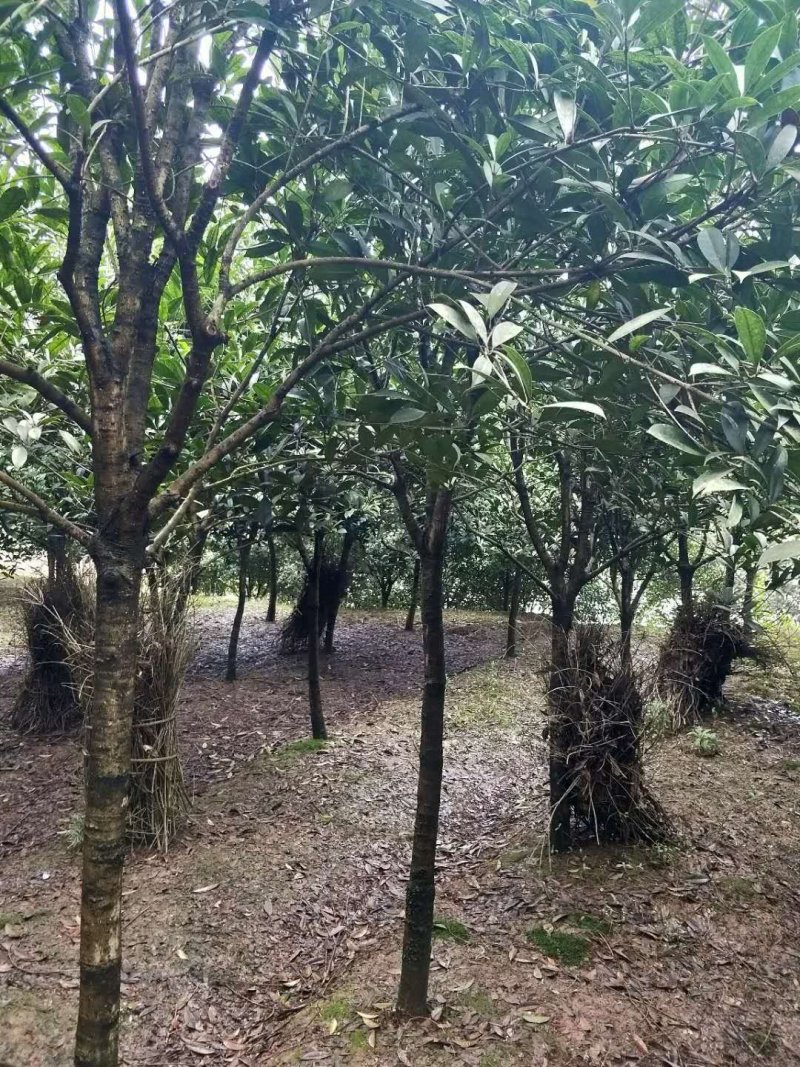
(627, 613)
(561, 726)
(273, 578)
(505, 598)
(685, 574)
(418, 935)
(513, 614)
(233, 644)
(119, 569)
(341, 589)
(412, 606)
(747, 599)
(729, 588)
(386, 592)
(318, 730)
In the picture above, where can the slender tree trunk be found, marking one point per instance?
(412, 606)
(505, 599)
(245, 549)
(314, 691)
(341, 589)
(513, 614)
(561, 727)
(626, 616)
(420, 893)
(119, 566)
(685, 574)
(273, 578)
(747, 599)
(729, 588)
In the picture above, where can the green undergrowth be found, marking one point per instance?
(451, 930)
(306, 745)
(569, 949)
(492, 695)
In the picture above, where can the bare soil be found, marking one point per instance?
(270, 933)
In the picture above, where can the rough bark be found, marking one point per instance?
(513, 614)
(318, 729)
(561, 727)
(245, 548)
(273, 578)
(119, 568)
(420, 892)
(412, 604)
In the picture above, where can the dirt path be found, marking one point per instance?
(276, 919)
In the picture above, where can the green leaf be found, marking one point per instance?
(637, 323)
(19, 455)
(781, 147)
(72, 443)
(778, 553)
(670, 434)
(715, 482)
(520, 368)
(567, 113)
(752, 333)
(720, 251)
(503, 333)
(584, 406)
(721, 61)
(407, 414)
(455, 319)
(734, 425)
(11, 200)
(477, 323)
(759, 54)
(498, 297)
(777, 473)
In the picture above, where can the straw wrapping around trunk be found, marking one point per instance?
(159, 801)
(599, 724)
(46, 702)
(696, 660)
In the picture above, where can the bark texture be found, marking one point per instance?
(420, 892)
(318, 729)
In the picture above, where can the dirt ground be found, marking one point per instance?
(270, 934)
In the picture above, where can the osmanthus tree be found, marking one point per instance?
(171, 144)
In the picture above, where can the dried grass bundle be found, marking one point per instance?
(294, 634)
(47, 702)
(159, 802)
(600, 727)
(696, 660)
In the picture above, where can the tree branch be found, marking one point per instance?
(45, 511)
(29, 376)
(59, 172)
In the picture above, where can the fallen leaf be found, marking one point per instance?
(206, 888)
(535, 1020)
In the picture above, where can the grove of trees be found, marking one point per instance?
(484, 303)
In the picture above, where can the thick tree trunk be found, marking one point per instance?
(412, 604)
(318, 730)
(233, 644)
(341, 589)
(513, 614)
(119, 569)
(561, 727)
(273, 578)
(418, 935)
